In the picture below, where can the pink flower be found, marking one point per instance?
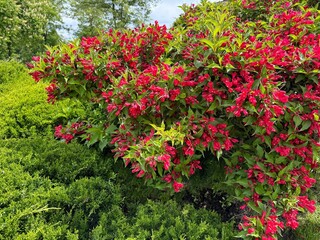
(140, 174)
(283, 151)
(68, 137)
(167, 178)
(58, 132)
(304, 202)
(36, 58)
(291, 218)
(193, 166)
(251, 230)
(280, 96)
(166, 161)
(177, 186)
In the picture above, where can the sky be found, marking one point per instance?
(165, 12)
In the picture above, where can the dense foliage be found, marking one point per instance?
(24, 110)
(96, 15)
(26, 26)
(237, 82)
(51, 190)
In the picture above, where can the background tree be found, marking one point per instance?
(26, 26)
(100, 14)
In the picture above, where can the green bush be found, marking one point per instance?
(155, 220)
(24, 202)
(62, 163)
(10, 70)
(85, 201)
(24, 111)
(50, 188)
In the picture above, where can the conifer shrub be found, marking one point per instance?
(12, 71)
(50, 194)
(25, 202)
(84, 203)
(24, 110)
(168, 220)
(59, 162)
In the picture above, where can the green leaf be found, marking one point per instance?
(253, 206)
(103, 143)
(182, 95)
(243, 182)
(281, 160)
(198, 64)
(297, 191)
(259, 189)
(276, 192)
(111, 129)
(267, 140)
(305, 125)
(260, 151)
(297, 120)
(209, 43)
(286, 169)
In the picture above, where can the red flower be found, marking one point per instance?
(134, 110)
(179, 70)
(277, 110)
(107, 95)
(177, 186)
(193, 166)
(283, 151)
(308, 182)
(188, 150)
(174, 93)
(291, 218)
(251, 230)
(166, 161)
(280, 96)
(272, 225)
(168, 178)
(304, 202)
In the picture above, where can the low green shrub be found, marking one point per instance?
(85, 201)
(10, 70)
(51, 189)
(156, 220)
(24, 202)
(60, 162)
(23, 109)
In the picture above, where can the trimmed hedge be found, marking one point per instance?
(24, 111)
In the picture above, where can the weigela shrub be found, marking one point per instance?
(244, 89)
